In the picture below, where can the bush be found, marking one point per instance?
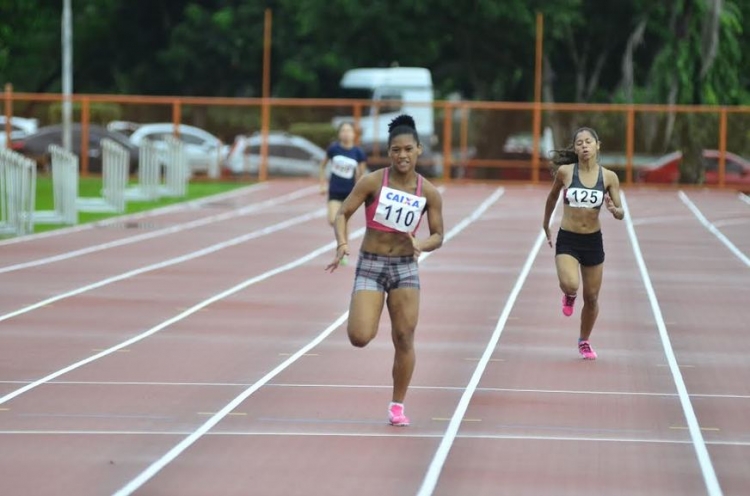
(320, 133)
(99, 113)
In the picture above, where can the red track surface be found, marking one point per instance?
(540, 421)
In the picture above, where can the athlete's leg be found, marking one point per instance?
(567, 273)
(403, 308)
(592, 283)
(364, 316)
(333, 209)
(568, 277)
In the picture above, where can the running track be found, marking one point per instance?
(199, 350)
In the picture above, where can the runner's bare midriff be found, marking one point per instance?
(388, 244)
(580, 220)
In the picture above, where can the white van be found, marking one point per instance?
(410, 90)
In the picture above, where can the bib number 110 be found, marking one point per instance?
(408, 217)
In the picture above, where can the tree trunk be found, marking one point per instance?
(634, 40)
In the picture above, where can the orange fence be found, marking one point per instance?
(470, 140)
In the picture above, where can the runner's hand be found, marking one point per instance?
(417, 248)
(610, 205)
(341, 252)
(549, 237)
(323, 188)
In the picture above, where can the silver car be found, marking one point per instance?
(288, 155)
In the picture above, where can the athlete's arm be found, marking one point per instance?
(362, 190)
(435, 221)
(361, 171)
(613, 200)
(557, 185)
(323, 185)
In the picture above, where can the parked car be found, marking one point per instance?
(37, 145)
(20, 127)
(123, 127)
(288, 154)
(667, 169)
(201, 147)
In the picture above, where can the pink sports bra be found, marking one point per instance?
(394, 210)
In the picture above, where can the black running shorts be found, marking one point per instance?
(588, 249)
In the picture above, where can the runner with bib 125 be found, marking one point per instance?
(579, 249)
(395, 200)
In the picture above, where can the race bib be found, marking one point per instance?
(584, 198)
(343, 167)
(399, 210)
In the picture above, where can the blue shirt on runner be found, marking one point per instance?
(344, 162)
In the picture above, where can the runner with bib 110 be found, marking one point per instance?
(395, 200)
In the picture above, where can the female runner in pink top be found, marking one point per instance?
(395, 200)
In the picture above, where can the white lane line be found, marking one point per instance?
(713, 229)
(181, 316)
(354, 434)
(385, 386)
(745, 198)
(162, 232)
(300, 219)
(441, 454)
(704, 459)
(165, 210)
(168, 457)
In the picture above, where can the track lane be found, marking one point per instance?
(41, 283)
(123, 231)
(536, 402)
(141, 421)
(54, 336)
(704, 289)
(359, 413)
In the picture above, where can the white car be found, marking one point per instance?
(202, 148)
(20, 127)
(288, 155)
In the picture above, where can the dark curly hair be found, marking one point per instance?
(403, 124)
(568, 155)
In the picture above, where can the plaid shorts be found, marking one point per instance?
(383, 273)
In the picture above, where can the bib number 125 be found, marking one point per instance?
(583, 195)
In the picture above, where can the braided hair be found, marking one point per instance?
(403, 124)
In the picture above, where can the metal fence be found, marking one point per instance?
(469, 140)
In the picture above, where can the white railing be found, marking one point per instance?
(17, 193)
(115, 169)
(64, 189)
(176, 165)
(149, 174)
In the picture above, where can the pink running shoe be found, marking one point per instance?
(586, 351)
(568, 302)
(396, 415)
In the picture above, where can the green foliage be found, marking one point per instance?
(92, 187)
(484, 50)
(320, 133)
(99, 113)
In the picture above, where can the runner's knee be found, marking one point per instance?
(358, 338)
(403, 338)
(590, 298)
(569, 287)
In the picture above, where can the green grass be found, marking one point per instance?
(91, 187)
